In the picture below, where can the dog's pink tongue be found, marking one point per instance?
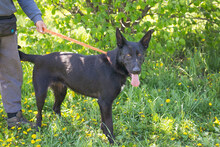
(135, 80)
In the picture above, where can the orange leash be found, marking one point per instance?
(75, 41)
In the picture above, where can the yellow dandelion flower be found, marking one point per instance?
(217, 144)
(73, 94)
(1, 140)
(167, 100)
(216, 121)
(13, 127)
(199, 144)
(161, 64)
(9, 140)
(161, 105)
(140, 112)
(187, 127)
(55, 135)
(38, 145)
(184, 133)
(9, 144)
(33, 141)
(43, 125)
(180, 84)
(210, 104)
(77, 116)
(19, 128)
(203, 40)
(38, 140)
(88, 135)
(24, 132)
(172, 139)
(123, 146)
(30, 111)
(117, 103)
(34, 136)
(94, 100)
(64, 129)
(47, 52)
(29, 81)
(143, 116)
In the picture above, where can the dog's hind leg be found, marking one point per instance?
(41, 84)
(59, 90)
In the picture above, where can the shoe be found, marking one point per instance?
(17, 120)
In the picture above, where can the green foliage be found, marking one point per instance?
(181, 25)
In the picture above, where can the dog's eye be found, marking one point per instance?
(139, 55)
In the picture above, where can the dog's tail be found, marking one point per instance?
(26, 57)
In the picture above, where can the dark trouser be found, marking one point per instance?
(10, 74)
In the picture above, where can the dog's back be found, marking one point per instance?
(86, 75)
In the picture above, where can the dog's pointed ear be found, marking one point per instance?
(146, 39)
(120, 38)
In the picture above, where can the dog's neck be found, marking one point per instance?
(112, 59)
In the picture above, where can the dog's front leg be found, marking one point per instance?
(106, 115)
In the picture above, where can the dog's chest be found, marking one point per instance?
(122, 87)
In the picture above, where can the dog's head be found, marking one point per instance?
(131, 54)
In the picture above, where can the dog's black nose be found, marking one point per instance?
(136, 70)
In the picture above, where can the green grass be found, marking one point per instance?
(174, 106)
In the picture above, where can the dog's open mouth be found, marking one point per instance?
(135, 80)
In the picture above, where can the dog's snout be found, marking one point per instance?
(136, 70)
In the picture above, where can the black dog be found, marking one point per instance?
(99, 76)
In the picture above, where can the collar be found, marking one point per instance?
(117, 68)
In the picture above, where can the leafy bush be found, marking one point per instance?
(180, 26)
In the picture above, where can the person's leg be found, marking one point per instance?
(10, 74)
(11, 78)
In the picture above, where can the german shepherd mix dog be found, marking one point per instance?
(99, 76)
